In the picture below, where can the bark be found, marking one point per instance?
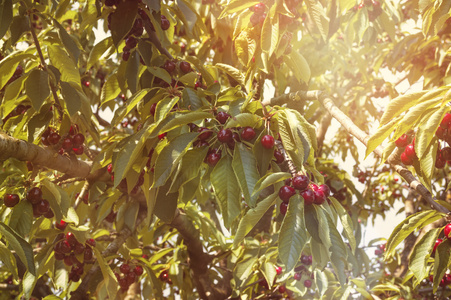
(322, 130)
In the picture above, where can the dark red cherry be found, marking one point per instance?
(247, 133)
(11, 200)
(300, 182)
(286, 192)
(267, 141)
(222, 117)
(309, 196)
(225, 135)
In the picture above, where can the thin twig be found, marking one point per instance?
(44, 65)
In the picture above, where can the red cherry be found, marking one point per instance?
(283, 208)
(410, 152)
(131, 42)
(169, 66)
(406, 160)
(267, 141)
(165, 23)
(222, 117)
(78, 151)
(288, 181)
(79, 248)
(185, 67)
(325, 189)
(446, 153)
(308, 283)
(255, 18)
(446, 121)
(279, 157)
(437, 242)
(319, 197)
(162, 136)
(125, 54)
(11, 200)
(131, 278)
(68, 261)
(225, 135)
(259, 8)
(110, 168)
(309, 197)
(278, 270)
(67, 144)
(91, 242)
(34, 195)
(164, 276)
(42, 207)
(70, 237)
(282, 289)
(152, 109)
(213, 158)
(447, 231)
(205, 133)
(441, 132)
(61, 225)
(124, 268)
(78, 140)
(123, 283)
(402, 141)
(59, 256)
(198, 84)
(297, 276)
(300, 182)
(138, 270)
(285, 193)
(86, 83)
(306, 259)
(54, 138)
(65, 247)
(248, 133)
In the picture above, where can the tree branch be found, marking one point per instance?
(349, 125)
(198, 259)
(13, 148)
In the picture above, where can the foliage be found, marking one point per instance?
(154, 161)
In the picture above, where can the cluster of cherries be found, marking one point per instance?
(380, 250)
(70, 142)
(312, 193)
(230, 137)
(164, 276)
(306, 260)
(259, 15)
(41, 207)
(408, 157)
(129, 275)
(74, 254)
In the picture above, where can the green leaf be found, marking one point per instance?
(321, 282)
(426, 131)
(244, 120)
(109, 279)
(232, 72)
(380, 135)
(270, 179)
(6, 16)
(132, 71)
(166, 204)
(299, 65)
(237, 6)
(64, 64)
(292, 237)
(184, 118)
(71, 97)
(406, 227)
(8, 66)
(37, 87)
(160, 73)
(70, 45)
(346, 222)
(170, 156)
(270, 32)
(421, 252)
(98, 51)
(23, 249)
(7, 258)
(311, 222)
(338, 251)
(442, 261)
(269, 272)
(399, 105)
(110, 89)
(252, 217)
(245, 168)
(189, 168)
(122, 20)
(22, 218)
(318, 15)
(226, 189)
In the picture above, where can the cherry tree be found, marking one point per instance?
(183, 155)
